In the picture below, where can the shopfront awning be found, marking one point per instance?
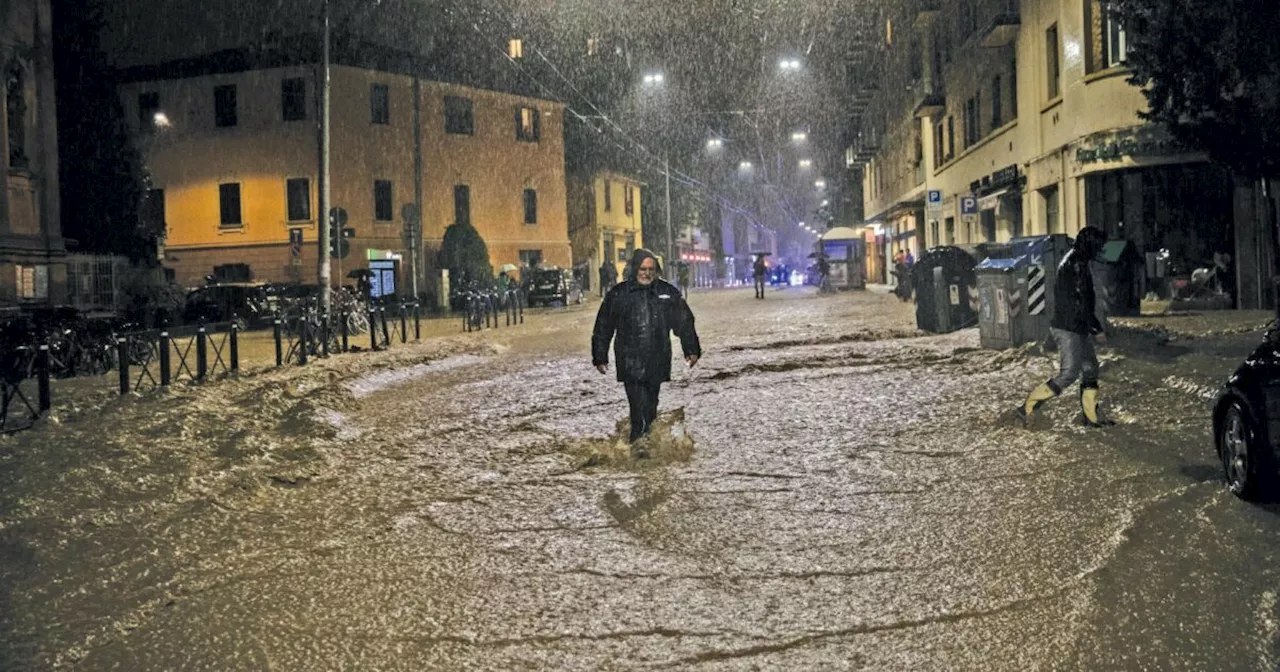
(992, 201)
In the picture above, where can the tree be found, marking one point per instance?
(465, 254)
(1210, 70)
(100, 171)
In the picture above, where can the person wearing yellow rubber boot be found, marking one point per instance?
(1075, 326)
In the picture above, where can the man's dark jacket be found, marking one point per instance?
(640, 319)
(1073, 298)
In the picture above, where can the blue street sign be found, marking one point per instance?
(295, 242)
(935, 197)
(969, 205)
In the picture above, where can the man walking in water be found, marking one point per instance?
(1075, 326)
(641, 312)
(759, 271)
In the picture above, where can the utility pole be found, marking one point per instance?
(671, 242)
(416, 226)
(325, 276)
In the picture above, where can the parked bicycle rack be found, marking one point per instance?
(148, 353)
(301, 337)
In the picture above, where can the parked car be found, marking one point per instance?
(1246, 422)
(247, 302)
(552, 287)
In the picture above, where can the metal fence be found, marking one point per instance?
(157, 358)
(22, 369)
(93, 281)
(484, 310)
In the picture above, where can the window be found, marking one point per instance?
(229, 204)
(148, 105)
(382, 200)
(1013, 89)
(1053, 65)
(997, 89)
(1106, 41)
(515, 48)
(379, 104)
(939, 144)
(530, 206)
(608, 196)
(951, 230)
(153, 210)
(461, 204)
(629, 200)
(988, 226)
(224, 105)
(530, 258)
(293, 99)
(33, 281)
(458, 118)
(528, 124)
(951, 137)
(1051, 218)
(1115, 44)
(970, 122)
(298, 193)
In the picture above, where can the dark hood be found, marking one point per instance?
(638, 258)
(1089, 242)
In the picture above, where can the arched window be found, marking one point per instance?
(16, 109)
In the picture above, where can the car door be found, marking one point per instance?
(1264, 368)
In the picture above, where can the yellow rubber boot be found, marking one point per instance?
(1089, 408)
(1038, 396)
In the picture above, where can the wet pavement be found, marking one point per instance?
(831, 489)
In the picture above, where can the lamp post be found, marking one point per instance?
(324, 273)
(657, 79)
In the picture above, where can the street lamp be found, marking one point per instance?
(799, 136)
(820, 184)
(805, 163)
(656, 78)
(744, 165)
(789, 64)
(653, 78)
(715, 143)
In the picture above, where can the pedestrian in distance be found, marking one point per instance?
(638, 316)
(758, 272)
(608, 276)
(1075, 327)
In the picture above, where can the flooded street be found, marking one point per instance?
(831, 489)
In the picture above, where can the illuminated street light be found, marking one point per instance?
(653, 78)
(714, 143)
(803, 225)
(820, 184)
(805, 163)
(162, 120)
(799, 136)
(745, 165)
(825, 203)
(789, 64)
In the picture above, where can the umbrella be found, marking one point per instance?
(507, 268)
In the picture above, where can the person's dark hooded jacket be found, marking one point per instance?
(1074, 304)
(639, 320)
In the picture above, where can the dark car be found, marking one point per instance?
(552, 287)
(1246, 422)
(246, 302)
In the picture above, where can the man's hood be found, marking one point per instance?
(638, 258)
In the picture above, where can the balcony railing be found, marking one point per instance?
(999, 21)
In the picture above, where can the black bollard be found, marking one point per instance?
(324, 335)
(165, 371)
(235, 347)
(386, 337)
(345, 331)
(122, 351)
(46, 401)
(303, 330)
(373, 328)
(279, 344)
(417, 322)
(202, 353)
(404, 325)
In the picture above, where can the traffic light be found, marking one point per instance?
(338, 245)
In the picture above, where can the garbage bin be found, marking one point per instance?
(944, 279)
(1015, 290)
